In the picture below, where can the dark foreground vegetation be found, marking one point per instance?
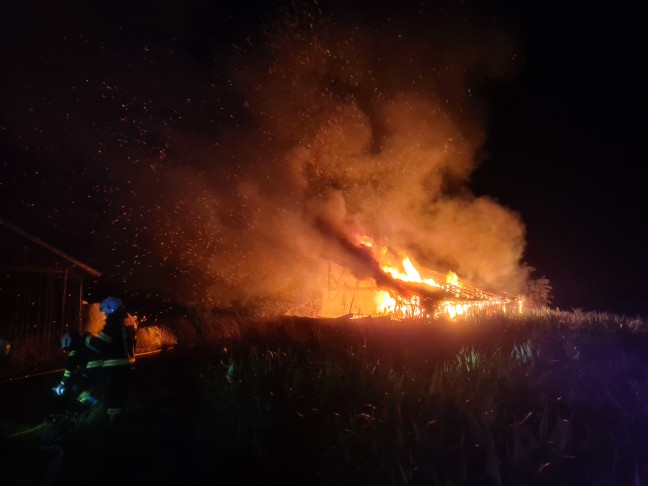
(548, 398)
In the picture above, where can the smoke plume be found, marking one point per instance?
(345, 129)
(231, 181)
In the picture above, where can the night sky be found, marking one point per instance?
(128, 129)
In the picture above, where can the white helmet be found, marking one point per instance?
(110, 305)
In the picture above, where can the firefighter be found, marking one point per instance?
(81, 370)
(116, 346)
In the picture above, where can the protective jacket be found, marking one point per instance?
(115, 342)
(115, 346)
(81, 371)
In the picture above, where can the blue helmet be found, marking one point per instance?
(110, 305)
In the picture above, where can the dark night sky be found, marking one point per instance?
(90, 90)
(576, 118)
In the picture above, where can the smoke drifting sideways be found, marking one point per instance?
(328, 128)
(349, 130)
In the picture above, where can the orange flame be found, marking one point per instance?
(460, 299)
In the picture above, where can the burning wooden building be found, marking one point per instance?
(396, 287)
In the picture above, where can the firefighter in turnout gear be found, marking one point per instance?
(116, 346)
(81, 370)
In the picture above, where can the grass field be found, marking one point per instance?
(543, 398)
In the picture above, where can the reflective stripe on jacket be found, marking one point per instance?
(116, 362)
(113, 343)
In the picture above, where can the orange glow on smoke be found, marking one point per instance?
(459, 299)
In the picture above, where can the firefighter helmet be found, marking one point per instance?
(110, 305)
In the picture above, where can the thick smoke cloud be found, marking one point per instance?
(231, 182)
(348, 130)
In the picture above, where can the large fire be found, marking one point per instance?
(417, 292)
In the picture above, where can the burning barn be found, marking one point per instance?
(395, 286)
(41, 289)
